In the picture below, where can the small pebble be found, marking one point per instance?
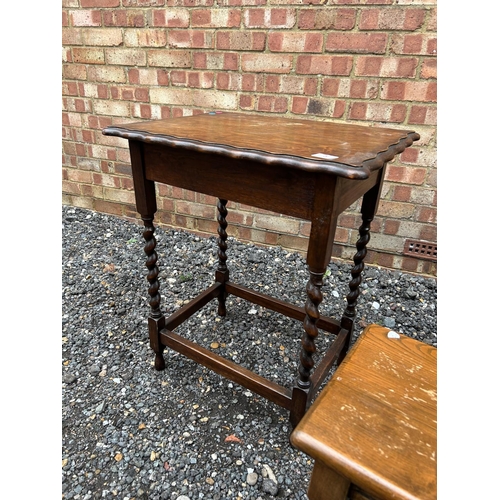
(252, 478)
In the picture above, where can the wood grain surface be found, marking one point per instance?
(376, 421)
(228, 133)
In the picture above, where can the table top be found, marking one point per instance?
(344, 149)
(376, 420)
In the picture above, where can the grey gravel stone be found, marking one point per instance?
(252, 478)
(129, 431)
(269, 486)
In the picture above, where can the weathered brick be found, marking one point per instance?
(145, 38)
(388, 67)
(408, 175)
(242, 40)
(295, 42)
(85, 17)
(113, 108)
(429, 69)
(124, 17)
(414, 44)
(379, 112)
(352, 88)
(143, 76)
(392, 19)
(126, 57)
(269, 18)
(216, 18)
(360, 43)
(318, 106)
(266, 63)
(169, 58)
(88, 56)
(216, 60)
(410, 91)
(107, 74)
(324, 65)
(194, 97)
(326, 18)
(228, 81)
(423, 115)
(118, 195)
(107, 37)
(272, 104)
(143, 3)
(72, 36)
(99, 3)
(171, 18)
(198, 39)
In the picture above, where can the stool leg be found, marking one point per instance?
(327, 484)
(222, 273)
(156, 320)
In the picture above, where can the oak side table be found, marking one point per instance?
(308, 169)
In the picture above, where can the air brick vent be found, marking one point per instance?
(421, 249)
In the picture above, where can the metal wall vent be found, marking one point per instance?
(421, 249)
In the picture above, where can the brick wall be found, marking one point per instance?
(358, 61)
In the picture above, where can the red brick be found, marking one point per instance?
(429, 69)
(145, 38)
(295, 42)
(392, 19)
(272, 104)
(361, 43)
(390, 67)
(402, 193)
(318, 106)
(391, 227)
(243, 40)
(143, 3)
(183, 39)
(409, 264)
(408, 175)
(99, 3)
(269, 18)
(171, 18)
(124, 18)
(324, 65)
(325, 18)
(417, 44)
(423, 115)
(428, 233)
(427, 215)
(216, 60)
(216, 18)
(252, 82)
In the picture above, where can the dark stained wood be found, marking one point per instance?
(193, 306)
(260, 385)
(276, 140)
(332, 354)
(270, 163)
(290, 310)
(375, 422)
(242, 181)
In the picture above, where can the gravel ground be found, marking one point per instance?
(130, 432)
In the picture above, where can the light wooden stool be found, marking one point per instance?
(373, 428)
